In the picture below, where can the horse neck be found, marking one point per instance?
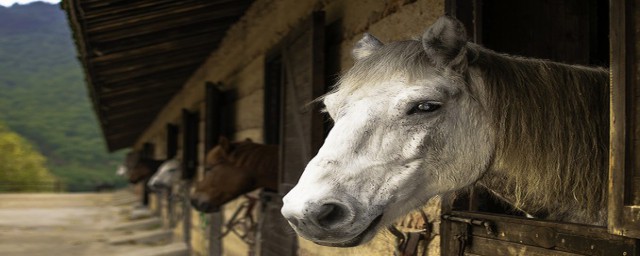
(551, 124)
(261, 164)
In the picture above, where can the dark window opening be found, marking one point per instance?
(190, 122)
(172, 140)
(272, 89)
(213, 115)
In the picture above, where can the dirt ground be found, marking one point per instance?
(59, 224)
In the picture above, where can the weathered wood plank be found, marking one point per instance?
(133, 7)
(189, 44)
(550, 238)
(169, 84)
(585, 244)
(131, 114)
(567, 237)
(569, 227)
(491, 247)
(138, 100)
(622, 219)
(108, 44)
(124, 135)
(151, 67)
(141, 8)
(166, 79)
(140, 33)
(129, 78)
(174, 17)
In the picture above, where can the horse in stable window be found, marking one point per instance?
(234, 169)
(166, 176)
(419, 118)
(138, 168)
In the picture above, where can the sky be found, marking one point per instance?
(11, 2)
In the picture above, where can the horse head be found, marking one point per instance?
(233, 169)
(121, 171)
(168, 174)
(406, 128)
(140, 168)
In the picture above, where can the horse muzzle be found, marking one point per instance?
(330, 222)
(204, 206)
(157, 186)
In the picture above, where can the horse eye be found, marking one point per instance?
(424, 107)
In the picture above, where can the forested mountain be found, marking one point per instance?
(43, 96)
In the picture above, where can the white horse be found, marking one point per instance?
(168, 174)
(122, 171)
(420, 118)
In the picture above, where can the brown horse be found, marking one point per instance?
(234, 169)
(140, 168)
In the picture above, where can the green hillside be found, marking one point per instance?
(43, 96)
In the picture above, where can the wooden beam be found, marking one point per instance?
(138, 100)
(134, 6)
(185, 68)
(196, 43)
(151, 65)
(125, 91)
(134, 126)
(140, 36)
(175, 17)
(139, 9)
(149, 110)
(167, 78)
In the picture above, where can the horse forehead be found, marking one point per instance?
(347, 94)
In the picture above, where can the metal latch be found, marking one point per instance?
(464, 236)
(488, 225)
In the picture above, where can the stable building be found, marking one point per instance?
(167, 78)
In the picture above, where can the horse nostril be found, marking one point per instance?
(330, 214)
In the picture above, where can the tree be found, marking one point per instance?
(22, 169)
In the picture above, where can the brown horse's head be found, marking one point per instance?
(139, 168)
(233, 169)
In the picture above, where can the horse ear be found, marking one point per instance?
(365, 46)
(224, 143)
(445, 43)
